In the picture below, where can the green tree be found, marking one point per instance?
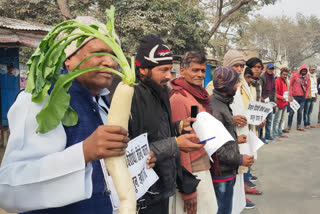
(179, 22)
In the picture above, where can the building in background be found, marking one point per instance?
(14, 34)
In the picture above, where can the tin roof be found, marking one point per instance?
(16, 24)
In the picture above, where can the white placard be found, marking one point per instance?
(252, 145)
(239, 197)
(267, 100)
(207, 127)
(137, 153)
(314, 89)
(294, 105)
(273, 104)
(257, 112)
(286, 95)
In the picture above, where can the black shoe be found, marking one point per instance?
(251, 185)
(253, 178)
(249, 204)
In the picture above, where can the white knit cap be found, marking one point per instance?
(87, 20)
(233, 57)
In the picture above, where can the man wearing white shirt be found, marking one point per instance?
(60, 172)
(308, 105)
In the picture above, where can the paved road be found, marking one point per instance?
(289, 175)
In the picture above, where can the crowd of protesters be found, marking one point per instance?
(69, 152)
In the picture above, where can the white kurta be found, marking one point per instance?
(37, 170)
(206, 200)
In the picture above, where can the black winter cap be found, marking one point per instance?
(152, 52)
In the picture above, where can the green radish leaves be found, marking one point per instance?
(46, 62)
(110, 23)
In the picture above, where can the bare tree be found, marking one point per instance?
(65, 10)
(295, 39)
(86, 5)
(220, 16)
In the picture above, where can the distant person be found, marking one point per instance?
(312, 97)
(299, 86)
(282, 103)
(318, 88)
(256, 66)
(234, 59)
(268, 87)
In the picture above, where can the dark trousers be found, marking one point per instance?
(224, 194)
(246, 176)
(268, 126)
(301, 100)
(161, 207)
(319, 114)
(308, 107)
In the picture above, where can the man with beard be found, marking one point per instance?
(187, 91)
(151, 113)
(227, 159)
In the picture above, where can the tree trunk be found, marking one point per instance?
(64, 9)
(221, 17)
(86, 5)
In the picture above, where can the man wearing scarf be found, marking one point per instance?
(299, 86)
(187, 91)
(312, 97)
(268, 85)
(256, 66)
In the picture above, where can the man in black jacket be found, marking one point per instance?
(151, 113)
(227, 159)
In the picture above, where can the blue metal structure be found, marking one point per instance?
(9, 84)
(208, 76)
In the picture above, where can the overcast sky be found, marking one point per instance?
(291, 7)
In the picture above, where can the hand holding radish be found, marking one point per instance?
(186, 145)
(105, 141)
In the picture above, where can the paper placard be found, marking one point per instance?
(294, 105)
(137, 153)
(257, 112)
(252, 145)
(286, 95)
(206, 127)
(273, 104)
(314, 89)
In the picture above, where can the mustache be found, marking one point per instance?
(164, 80)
